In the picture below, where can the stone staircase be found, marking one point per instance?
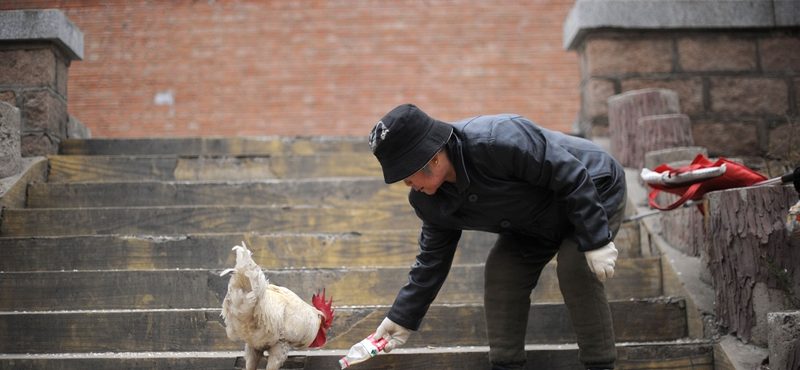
(113, 262)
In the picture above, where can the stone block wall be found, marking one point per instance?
(33, 78)
(736, 88)
(36, 49)
(737, 77)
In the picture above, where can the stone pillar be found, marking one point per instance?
(664, 132)
(624, 112)
(10, 158)
(36, 49)
(754, 263)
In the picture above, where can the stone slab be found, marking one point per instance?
(587, 15)
(42, 25)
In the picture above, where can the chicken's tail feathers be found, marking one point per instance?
(248, 268)
(243, 255)
(318, 301)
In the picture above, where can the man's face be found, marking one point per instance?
(426, 181)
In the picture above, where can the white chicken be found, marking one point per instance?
(269, 317)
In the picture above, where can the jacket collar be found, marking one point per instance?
(450, 196)
(454, 145)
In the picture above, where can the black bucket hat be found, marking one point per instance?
(405, 140)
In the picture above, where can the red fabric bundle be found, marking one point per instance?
(736, 175)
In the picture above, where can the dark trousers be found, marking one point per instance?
(509, 280)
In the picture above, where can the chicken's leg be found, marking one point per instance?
(252, 357)
(277, 355)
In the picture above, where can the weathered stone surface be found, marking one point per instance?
(10, 154)
(8, 97)
(43, 112)
(37, 145)
(784, 339)
(77, 130)
(747, 245)
(730, 53)
(749, 95)
(780, 53)
(32, 67)
(623, 56)
(784, 142)
(689, 90)
(46, 24)
(589, 15)
(624, 111)
(683, 227)
(595, 97)
(796, 82)
(726, 139)
(62, 73)
(664, 131)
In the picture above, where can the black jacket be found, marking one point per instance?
(513, 177)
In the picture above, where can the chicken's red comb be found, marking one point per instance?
(319, 302)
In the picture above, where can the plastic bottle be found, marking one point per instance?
(362, 351)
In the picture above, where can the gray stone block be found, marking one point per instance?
(10, 155)
(784, 338)
(42, 25)
(77, 130)
(587, 15)
(787, 13)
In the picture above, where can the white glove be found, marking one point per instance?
(602, 260)
(396, 335)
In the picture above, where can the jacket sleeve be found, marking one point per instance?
(551, 160)
(437, 248)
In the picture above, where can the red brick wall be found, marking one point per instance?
(292, 67)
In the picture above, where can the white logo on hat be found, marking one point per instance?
(380, 129)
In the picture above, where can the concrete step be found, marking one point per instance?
(180, 193)
(213, 251)
(78, 168)
(198, 288)
(677, 355)
(40, 332)
(214, 145)
(206, 219)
